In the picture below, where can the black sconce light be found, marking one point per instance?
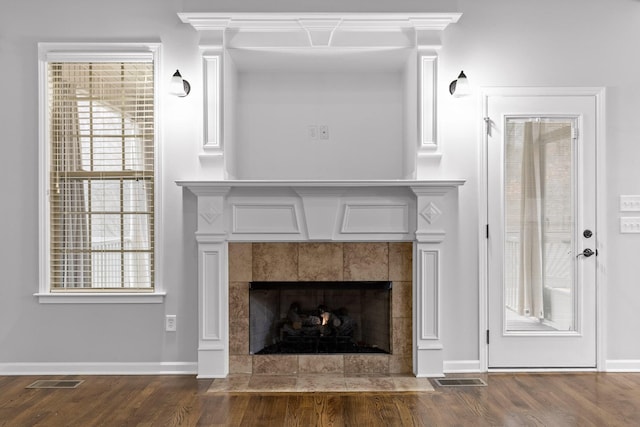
(460, 86)
(179, 86)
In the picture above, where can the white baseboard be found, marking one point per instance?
(91, 368)
(461, 366)
(464, 366)
(191, 368)
(622, 365)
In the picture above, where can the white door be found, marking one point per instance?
(541, 163)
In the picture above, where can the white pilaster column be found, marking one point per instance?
(432, 204)
(213, 297)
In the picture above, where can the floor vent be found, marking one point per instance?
(55, 384)
(460, 382)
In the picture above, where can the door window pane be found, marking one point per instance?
(539, 288)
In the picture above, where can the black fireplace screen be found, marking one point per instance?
(319, 317)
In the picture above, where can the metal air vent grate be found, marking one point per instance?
(460, 382)
(55, 384)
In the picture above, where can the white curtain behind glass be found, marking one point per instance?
(531, 277)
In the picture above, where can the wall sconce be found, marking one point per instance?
(179, 86)
(460, 86)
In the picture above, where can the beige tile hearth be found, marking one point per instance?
(230, 384)
(334, 383)
(272, 383)
(369, 383)
(321, 383)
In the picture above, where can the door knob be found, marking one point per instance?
(587, 253)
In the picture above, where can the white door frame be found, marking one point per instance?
(601, 223)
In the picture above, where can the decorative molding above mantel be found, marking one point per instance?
(373, 183)
(319, 27)
(233, 45)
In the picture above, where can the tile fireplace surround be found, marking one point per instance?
(322, 230)
(322, 261)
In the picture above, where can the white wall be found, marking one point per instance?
(497, 43)
(276, 108)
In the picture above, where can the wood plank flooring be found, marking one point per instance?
(577, 399)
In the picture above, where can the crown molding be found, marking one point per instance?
(320, 28)
(362, 21)
(221, 187)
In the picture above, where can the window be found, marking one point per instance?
(99, 143)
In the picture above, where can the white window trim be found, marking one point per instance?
(81, 52)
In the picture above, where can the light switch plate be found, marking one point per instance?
(630, 224)
(629, 203)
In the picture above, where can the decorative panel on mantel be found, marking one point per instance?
(339, 214)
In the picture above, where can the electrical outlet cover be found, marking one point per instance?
(170, 323)
(324, 132)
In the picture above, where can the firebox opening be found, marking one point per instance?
(320, 317)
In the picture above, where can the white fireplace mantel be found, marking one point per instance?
(422, 212)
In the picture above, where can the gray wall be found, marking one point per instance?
(497, 43)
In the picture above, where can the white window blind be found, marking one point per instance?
(101, 181)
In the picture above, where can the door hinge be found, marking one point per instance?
(487, 231)
(574, 132)
(487, 336)
(487, 122)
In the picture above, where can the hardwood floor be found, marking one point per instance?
(581, 399)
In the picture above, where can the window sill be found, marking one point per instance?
(101, 298)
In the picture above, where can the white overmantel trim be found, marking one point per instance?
(438, 186)
(320, 26)
(331, 35)
(260, 20)
(418, 211)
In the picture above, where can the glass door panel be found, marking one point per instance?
(539, 270)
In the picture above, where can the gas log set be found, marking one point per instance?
(322, 317)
